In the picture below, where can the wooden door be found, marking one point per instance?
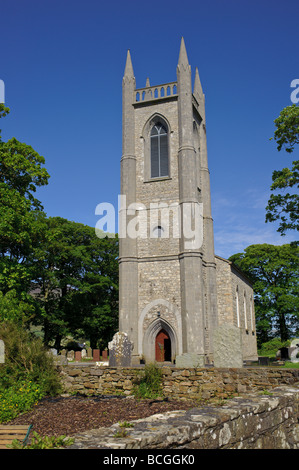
(163, 347)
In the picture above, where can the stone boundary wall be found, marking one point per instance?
(190, 383)
(256, 422)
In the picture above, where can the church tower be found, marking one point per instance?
(167, 267)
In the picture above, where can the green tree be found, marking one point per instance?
(283, 205)
(21, 172)
(14, 310)
(274, 271)
(55, 272)
(75, 282)
(99, 299)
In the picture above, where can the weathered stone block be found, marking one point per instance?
(228, 347)
(89, 385)
(186, 360)
(97, 372)
(74, 372)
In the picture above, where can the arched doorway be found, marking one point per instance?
(162, 347)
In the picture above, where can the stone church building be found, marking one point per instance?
(174, 291)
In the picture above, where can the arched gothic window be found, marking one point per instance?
(159, 150)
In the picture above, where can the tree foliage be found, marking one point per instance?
(283, 205)
(286, 134)
(76, 282)
(53, 272)
(21, 172)
(274, 271)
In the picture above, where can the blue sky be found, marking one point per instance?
(62, 63)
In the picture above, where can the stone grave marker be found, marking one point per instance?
(104, 355)
(89, 352)
(228, 346)
(264, 361)
(294, 350)
(96, 355)
(61, 359)
(77, 356)
(70, 355)
(120, 349)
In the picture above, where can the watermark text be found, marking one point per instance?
(295, 93)
(157, 220)
(2, 91)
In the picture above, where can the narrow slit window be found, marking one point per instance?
(237, 308)
(159, 151)
(158, 232)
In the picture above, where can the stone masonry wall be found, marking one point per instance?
(163, 286)
(229, 282)
(177, 383)
(258, 421)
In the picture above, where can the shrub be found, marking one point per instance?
(43, 442)
(149, 382)
(18, 398)
(28, 373)
(271, 347)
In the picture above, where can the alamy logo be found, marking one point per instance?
(2, 100)
(158, 220)
(295, 93)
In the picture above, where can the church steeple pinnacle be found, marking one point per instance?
(197, 91)
(129, 73)
(199, 95)
(185, 113)
(183, 58)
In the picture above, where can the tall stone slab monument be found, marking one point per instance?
(120, 349)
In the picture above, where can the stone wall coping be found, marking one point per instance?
(173, 368)
(240, 423)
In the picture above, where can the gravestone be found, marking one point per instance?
(89, 352)
(61, 359)
(284, 353)
(264, 361)
(294, 350)
(96, 355)
(77, 356)
(120, 349)
(70, 355)
(2, 352)
(104, 355)
(228, 346)
(83, 353)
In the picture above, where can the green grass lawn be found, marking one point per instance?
(291, 365)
